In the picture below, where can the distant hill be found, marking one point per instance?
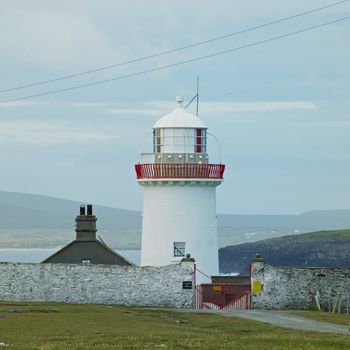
(316, 249)
(238, 229)
(28, 220)
(19, 210)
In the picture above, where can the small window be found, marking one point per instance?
(179, 249)
(200, 142)
(86, 261)
(158, 140)
(154, 141)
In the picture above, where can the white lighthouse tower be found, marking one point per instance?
(179, 208)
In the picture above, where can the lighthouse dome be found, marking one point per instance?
(179, 118)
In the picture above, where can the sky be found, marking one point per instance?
(280, 110)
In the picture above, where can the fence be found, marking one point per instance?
(183, 171)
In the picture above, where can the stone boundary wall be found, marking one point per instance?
(296, 288)
(97, 284)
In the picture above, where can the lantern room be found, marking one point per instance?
(180, 137)
(179, 149)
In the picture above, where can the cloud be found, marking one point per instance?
(38, 132)
(91, 104)
(30, 103)
(14, 104)
(157, 108)
(135, 111)
(53, 39)
(243, 107)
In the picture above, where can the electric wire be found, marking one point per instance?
(191, 60)
(70, 76)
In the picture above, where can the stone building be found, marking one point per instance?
(86, 249)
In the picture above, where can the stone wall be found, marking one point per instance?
(296, 288)
(97, 284)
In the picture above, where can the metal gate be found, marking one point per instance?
(222, 297)
(235, 295)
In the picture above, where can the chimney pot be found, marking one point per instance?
(89, 209)
(82, 209)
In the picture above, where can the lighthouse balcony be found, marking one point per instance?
(179, 171)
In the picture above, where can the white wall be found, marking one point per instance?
(173, 213)
(296, 288)
(97, 284)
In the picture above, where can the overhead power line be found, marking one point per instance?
(256, 43)
(139, 59)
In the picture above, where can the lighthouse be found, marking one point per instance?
(179, 203)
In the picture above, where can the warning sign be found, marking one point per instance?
(257, 287)
(217, 288)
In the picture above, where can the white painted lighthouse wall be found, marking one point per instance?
(180, 213)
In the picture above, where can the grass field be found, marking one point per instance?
(48, 326)
(342, 319)
(338, 233)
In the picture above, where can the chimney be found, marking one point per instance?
(85, 225)
(89, 209)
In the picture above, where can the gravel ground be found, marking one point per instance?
(282, 319)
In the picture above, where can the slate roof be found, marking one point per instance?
(92, 251)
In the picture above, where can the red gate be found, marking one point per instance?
(222, 296)
(225, 292)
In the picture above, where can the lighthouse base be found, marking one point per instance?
(180, 219)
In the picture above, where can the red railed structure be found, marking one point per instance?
(179, 171)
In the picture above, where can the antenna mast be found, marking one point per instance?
(195, 97)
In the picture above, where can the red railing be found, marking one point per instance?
(179, 171)
(244, 302)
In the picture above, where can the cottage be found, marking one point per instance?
(86, 249)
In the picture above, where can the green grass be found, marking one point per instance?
(332, 233)
(342, 319)
(49, 326)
